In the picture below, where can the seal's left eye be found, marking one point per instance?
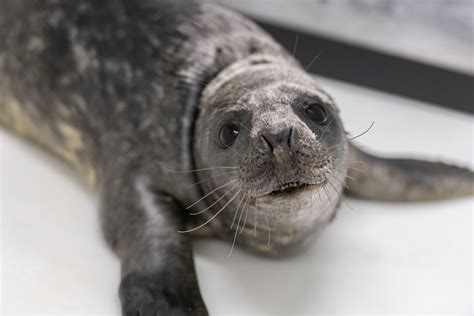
(228, 134)
(316, 113)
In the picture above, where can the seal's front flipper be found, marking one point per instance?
(141, 225)
(387, 179)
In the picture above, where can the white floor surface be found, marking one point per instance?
(390, 258)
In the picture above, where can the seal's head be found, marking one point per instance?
(276, 153)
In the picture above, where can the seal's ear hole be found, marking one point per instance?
(259, 62)
(228, 134)
(254, 49)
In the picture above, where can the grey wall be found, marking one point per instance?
(438, 32)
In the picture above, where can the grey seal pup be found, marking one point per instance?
(189, 120)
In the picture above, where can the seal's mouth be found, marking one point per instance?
(289, 187)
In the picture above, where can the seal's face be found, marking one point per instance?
(276, 143)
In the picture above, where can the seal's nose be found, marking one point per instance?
(283, 138)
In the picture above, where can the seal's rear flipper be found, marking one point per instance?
(385, 179)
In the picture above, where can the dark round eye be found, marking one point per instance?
(316, 113)
(228, 134)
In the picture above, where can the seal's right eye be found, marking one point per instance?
(317, 113)
(227, 134)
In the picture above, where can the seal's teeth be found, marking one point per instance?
(289, 185)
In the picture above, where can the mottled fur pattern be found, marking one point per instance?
(134, 94)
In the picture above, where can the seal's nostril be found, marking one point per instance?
(269, 144)
(290, 140)
(284, 138)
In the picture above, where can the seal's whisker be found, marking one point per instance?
(245, 219)
(326, 203)
(214, 203)
(220, 187)
(215, 176)
(290, 66)
(194, 170)
(358, 169)
(347, 176)
(241, 213)
(237, 211)
(327, 128)
(339, 180)
(318, 54)
(340, 196)
(256, 221)
(210, 219)
(353, 168)
(364, 132)
(345, 171)
(292, 61)
(329, 197)
(350, 178)
(351, 161)
(354, 145)
(236, 231)
(269, 232)
(307, 67)
(337, 145)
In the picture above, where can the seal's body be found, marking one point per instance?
(170, 107)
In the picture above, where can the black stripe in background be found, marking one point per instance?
(377, 70)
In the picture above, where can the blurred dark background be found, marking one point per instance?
(419, 49)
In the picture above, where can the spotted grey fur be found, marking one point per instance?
(132, 94)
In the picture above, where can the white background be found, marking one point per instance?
(379, 258)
